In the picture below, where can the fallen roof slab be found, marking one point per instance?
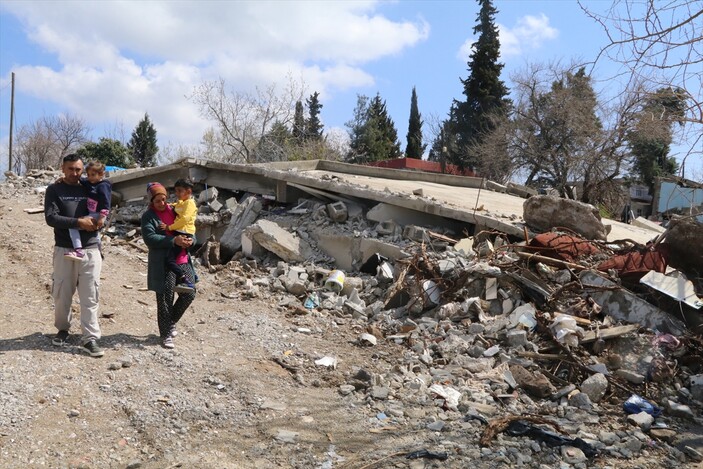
(456, 197)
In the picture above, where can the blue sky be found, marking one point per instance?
(110, 62)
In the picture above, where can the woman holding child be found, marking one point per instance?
(160, 278)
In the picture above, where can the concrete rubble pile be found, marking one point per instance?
(546, 351)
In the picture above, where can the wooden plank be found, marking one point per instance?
(609, 333)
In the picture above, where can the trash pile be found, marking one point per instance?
(558, 340)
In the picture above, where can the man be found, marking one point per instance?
(65, 207)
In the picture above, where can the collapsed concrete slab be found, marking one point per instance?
(545, 212)
(624, 305)
(275, 239)
(350, 252)
(243, 215)
(405, 216)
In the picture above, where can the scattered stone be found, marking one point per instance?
(595, 386)
(642, 420)
(286, 436)
(664, 434)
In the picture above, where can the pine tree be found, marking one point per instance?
(299, 123)
(414, 148)
(142, 146)
(484, 90)
(373, 136)
(313, 126)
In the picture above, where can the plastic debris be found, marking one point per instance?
(566, 331)
(312, 301)
(551, 439)
(636, 404)
(335, 281)
(328, 362)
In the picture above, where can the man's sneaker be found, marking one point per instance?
(60, 339)
(168, 342)
(184, 287)
(173, 332)
(75, 255)
(93, 349)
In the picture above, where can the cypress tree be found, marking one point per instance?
(313, 126)
(299, 123)
(414, 148)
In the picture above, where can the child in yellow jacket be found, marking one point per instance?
(184, 224)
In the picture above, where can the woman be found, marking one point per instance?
(159, 278)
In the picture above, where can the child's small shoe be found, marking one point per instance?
(184, 287)
(75, 255)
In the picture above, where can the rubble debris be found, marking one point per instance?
(244, 215)
(623, 305)
(544, 324)
(544, 212)
(284, 244)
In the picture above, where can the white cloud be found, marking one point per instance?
(121, 59)
(529, 33)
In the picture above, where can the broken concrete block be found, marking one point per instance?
(215, 205)
(545, 212)
(419, 192)
(207, 195)
(535, 384)
(465, 247)
(595, 386)
(517, 338)
(231, 203)
(623, 305)
(388, 228)
(416, 233)
(351, 283)
(244, 215)
(284, 244)
(250, 248)
(337, 211)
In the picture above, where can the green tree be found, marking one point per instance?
(142, 146)
(651, 137)
(111, 152)
(298, 123)
(372, 133)
(313, 125)
(486, 94)
(415, 147)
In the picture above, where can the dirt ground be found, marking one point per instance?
(217, 400)
(240, 390)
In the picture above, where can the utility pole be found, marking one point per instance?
(12, 118)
